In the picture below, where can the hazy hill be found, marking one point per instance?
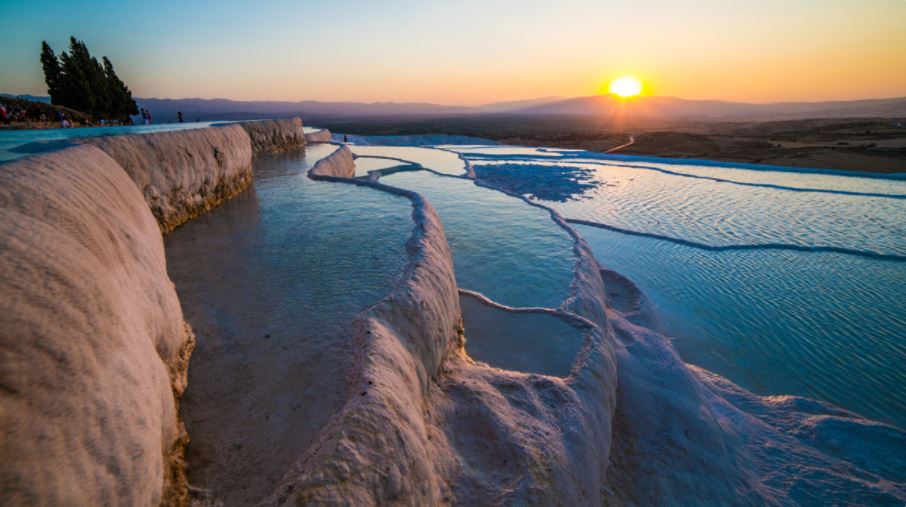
(32, 98)
(517, 105)
(676, 108)
(213, 109)
(637, 109)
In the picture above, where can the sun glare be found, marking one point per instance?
(626, 86)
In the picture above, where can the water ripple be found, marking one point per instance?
(727, 248)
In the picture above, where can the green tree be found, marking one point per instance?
(122, 103)
(51, 73)
(79, 81)
(76, 80)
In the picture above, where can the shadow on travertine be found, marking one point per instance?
(271, 282)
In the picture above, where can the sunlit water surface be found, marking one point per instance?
(445, 162)
(782, 291)
(720, 214)
(364, 165)
(512, 253)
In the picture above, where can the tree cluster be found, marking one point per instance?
(79, 81)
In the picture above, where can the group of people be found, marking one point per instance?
(17, 114)
(20, 115)
(12, 113)
(64, 121)
(103, 122)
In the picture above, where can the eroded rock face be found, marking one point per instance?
(183, 174)
(93, 347)
(274, 136)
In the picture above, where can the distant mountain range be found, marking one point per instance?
(663, 108)
(33, 98)
(676, 108)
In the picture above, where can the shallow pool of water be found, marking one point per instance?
(822, 325)
(504, 151)
(509, 251)
(437, 160)
(364, 165)
(790, 290)
(719, 214)
(791, 179)
(526, 342)
(270, 282)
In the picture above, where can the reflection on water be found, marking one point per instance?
(510, 252)
(527, 342)
(552, 182)
(504, 150)
(720, 214)
(804, 180)
(270, 282)
(823, 325)
(775, 318)
(363, 165)
(437, 160)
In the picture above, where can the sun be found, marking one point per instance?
(626, 86)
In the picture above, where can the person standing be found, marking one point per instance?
(179, 117)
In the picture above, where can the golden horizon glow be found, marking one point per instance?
(625, 86)
(473, 52)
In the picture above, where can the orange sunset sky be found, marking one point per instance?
(473, 52)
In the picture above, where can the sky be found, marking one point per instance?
(470, 52)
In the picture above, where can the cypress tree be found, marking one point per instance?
(122, 103)
(51, 67)
(78, 80)
(99, 88)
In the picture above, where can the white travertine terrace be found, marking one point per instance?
(321, 136)
(93, 347)
(187, 173)
(425, 425)
(94, 351)
(273, 136)
(338, 164)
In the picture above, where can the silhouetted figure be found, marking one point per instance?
(146, 116)
(179, 117)
(345, 138)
